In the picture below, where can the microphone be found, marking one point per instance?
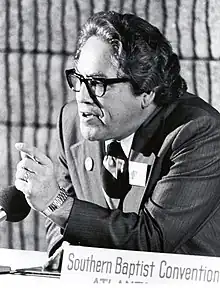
(13, 205)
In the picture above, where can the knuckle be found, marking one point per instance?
(19, 165)
(27, 191)
(25, 161)
(17, 174)
(19, 184)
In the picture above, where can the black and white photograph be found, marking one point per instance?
(110, 138)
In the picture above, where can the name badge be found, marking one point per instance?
(137, 173)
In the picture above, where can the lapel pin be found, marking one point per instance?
(89, 163)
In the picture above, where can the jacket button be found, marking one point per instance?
(89, 163)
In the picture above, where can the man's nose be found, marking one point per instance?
(83, 95)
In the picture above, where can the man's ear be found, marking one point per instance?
(147, 99)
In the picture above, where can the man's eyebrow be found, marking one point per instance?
(97, 75)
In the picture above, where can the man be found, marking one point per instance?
(163, 193)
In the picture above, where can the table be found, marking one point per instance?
(22, 259)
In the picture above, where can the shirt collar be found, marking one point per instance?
(125, 144)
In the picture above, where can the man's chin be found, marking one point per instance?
(90, 134)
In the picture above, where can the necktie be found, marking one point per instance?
(116, 181)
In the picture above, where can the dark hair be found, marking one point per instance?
(143, 53)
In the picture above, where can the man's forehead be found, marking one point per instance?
(95, 57)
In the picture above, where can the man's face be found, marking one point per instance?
(118, 113)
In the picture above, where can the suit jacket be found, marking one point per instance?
(178, 210)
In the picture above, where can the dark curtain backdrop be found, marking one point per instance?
(37, 40)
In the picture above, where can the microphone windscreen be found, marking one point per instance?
(14, 204)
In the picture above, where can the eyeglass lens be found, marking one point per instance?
(95, 86)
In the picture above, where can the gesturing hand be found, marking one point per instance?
(35, 177)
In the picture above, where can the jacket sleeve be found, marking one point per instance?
(180, 202)
(54, 237)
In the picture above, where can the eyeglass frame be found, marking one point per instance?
(104, 81)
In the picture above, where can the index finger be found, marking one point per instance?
(26, 155)
(32, 152)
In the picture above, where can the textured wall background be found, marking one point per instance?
(37, 39)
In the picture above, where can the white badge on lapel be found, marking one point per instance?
(139, 172)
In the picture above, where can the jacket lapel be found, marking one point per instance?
(88, 158)
(146, 149)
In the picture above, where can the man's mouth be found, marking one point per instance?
(88, 115)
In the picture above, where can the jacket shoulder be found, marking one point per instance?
(69, 111)
(192, 106)
(68, 123)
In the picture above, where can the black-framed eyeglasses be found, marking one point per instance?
(95, 85)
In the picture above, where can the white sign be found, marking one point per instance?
(111, 266)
